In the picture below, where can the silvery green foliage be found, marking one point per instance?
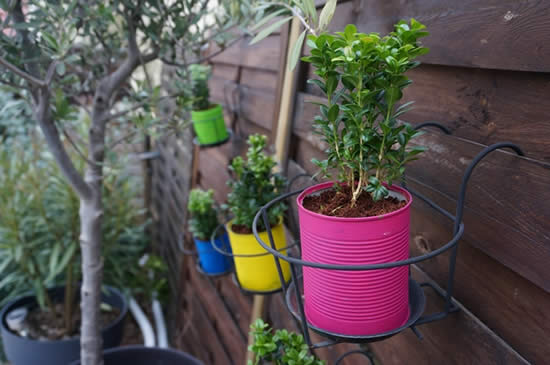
(273, 14)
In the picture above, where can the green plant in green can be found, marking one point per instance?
(204, 213)
(200, 74)
(208, 121)
(254, 184)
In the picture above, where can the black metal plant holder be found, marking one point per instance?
(417, 300)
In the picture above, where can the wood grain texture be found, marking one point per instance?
(510, 305)
(485, 106)
(492, 34)
(458, 339)
(500, 215)
(262, 55)
(219, 316)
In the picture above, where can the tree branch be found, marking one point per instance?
(24, 75)
(205, 58)
(51, 134)
(77, 149)
(141, 105)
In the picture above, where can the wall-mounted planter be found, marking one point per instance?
(355, 302)
(24, 351)
(209, 126)
(211, 261)
(258, 273)
(139, 355)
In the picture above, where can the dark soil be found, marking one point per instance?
(241, 229)
(337, 203)
(44, 325)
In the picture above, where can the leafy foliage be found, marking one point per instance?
(199, 81)
(303, 10)
(254, 184)
(39, 224)
(363, 77)
(281, 348)
(15, 117)
(204, 215)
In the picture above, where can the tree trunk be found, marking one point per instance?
(91, 214)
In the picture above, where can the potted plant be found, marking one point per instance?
(361, 218)
(207, 118)
(203, 223)
(140, 355)
(39, 233)
(279, 348)
(253, 185)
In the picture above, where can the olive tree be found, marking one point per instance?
(65, 56)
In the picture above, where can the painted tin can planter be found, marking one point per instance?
(24, 351)
(259, 273)
(355, 302)
(209, 125)
(211, 261)
(139, 355)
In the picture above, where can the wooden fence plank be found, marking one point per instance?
(459, 339)
(263, 55)
(509, 304)
(504, 195)
(485, 106)
(493, 34)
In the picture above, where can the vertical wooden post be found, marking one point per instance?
(281, 145)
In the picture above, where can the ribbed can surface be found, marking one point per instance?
(355, 302)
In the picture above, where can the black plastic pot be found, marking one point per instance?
(24, 351)
(139, 355)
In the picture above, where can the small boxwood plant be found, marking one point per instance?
(200, 74)
(204, 213)
(279, 348)
(363, 77)
(254, 184)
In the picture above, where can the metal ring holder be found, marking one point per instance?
(235, 277)
(417, 300)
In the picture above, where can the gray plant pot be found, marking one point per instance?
(140, 355)
(24, 351)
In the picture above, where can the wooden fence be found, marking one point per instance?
(487, 78)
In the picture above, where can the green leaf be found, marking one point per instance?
(296, 50)
(326, 14)
(310, 8)
(268, 18)
(270, 29)
(333, 112)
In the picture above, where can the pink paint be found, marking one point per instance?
(355, 302)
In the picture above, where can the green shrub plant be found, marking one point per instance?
(204, 213)
(254, 184)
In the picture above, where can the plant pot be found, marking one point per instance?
(139, 355)
(211, 261)
(355, 303)
(209, 125)
(24, 351)
(259, 273)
